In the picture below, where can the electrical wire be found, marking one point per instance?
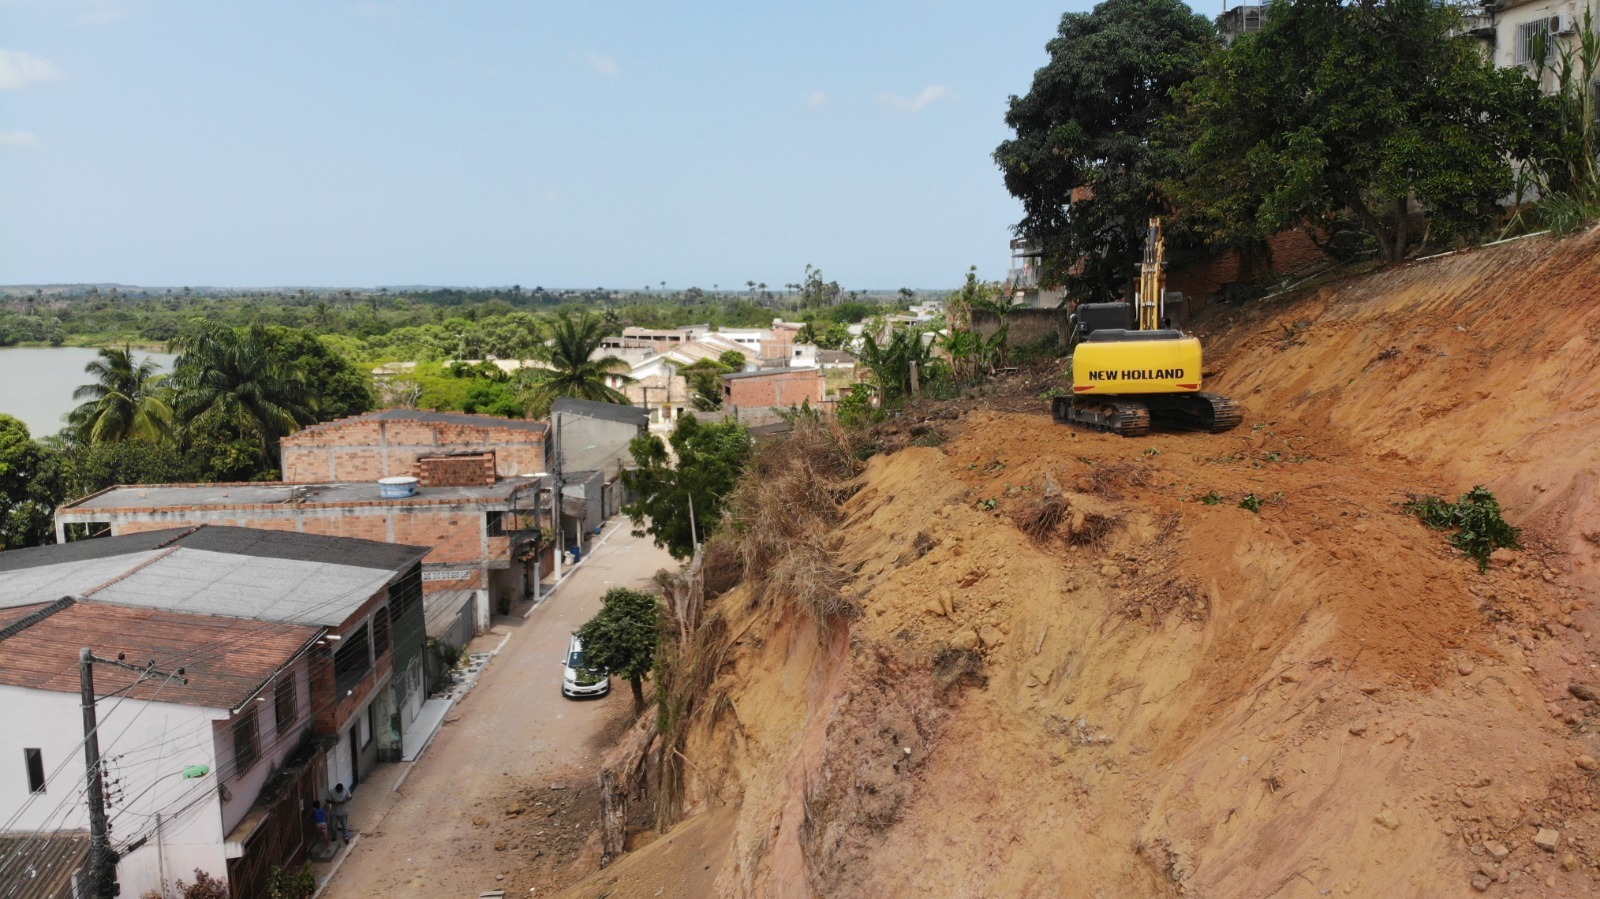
(194, 656)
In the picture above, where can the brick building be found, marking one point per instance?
(752, 395)
(389, 443)
(469, 529)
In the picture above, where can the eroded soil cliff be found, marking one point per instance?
(1082, 668)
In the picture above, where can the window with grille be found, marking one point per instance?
(352, 661)
(246, 741)
(286, 702)
(495, 523)
(380, 632)
(1534, 41)
(34, 759)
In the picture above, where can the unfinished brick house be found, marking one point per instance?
(469, 521)
(390, 443)
(752, 395)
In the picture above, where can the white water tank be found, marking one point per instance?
(397, 488)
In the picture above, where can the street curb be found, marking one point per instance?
(571, 569)
(339, 863)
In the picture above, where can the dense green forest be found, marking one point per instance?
(413, 325)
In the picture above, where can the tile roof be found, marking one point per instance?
(226, 660)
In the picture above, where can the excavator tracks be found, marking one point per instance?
(1197, 411)
(1121, 417)
(1189, 411)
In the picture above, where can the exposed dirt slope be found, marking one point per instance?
(1156, 695)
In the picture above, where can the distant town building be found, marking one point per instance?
(752, 396)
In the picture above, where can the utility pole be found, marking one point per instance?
(102, 860)
(555, 501)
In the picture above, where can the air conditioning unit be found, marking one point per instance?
(1562, 23)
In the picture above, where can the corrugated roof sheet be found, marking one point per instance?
(631, 415)
(42, 866)
(237, 572)
(225, 659)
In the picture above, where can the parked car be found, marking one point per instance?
(578, 678)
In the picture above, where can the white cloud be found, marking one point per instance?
(17, 68)
(930, 95)
(605, 65)
(817, 100)
(18, 139)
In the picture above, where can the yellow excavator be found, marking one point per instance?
(1129, 365)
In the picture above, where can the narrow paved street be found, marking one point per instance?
(507, 788)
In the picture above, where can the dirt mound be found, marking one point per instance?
(1206, 665)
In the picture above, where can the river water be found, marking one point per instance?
(36, 383)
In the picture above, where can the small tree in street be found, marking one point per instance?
(710, 457)
(622, 637)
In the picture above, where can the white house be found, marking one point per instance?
(303, 656)
(164, 823)
(1521, 28)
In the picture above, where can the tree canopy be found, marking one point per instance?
(622, 637)
(573, 371)
(127, 400)
(1090, 152)
(710, 458)
(1359, 107)
(29, 487)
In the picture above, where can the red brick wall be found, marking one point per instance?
(1205, 278)
(365, 449)
(784, 387)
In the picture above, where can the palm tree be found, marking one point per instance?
(234, 377)
(126, 401)
(573, 369)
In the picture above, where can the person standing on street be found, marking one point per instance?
(339, 803)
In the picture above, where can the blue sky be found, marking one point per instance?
(556, 144)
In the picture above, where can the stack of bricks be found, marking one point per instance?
(457, 470)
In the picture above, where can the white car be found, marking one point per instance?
(578, 678)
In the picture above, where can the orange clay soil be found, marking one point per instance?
(1166, 694)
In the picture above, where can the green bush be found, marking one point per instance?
(1480, 529)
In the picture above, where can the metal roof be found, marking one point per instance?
(629, 415)
(42, 866)
(235, 572)
(226, 660)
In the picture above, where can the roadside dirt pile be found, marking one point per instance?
(1069, 664)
